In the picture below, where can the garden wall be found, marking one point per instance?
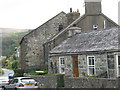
(91, 82)
(52, 81)
(61, 81)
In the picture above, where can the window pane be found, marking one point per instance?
(91, 71)
(118, 60)
(62, 70)
(89, 60)
(62, 61)
(93, 61)
(119, 70)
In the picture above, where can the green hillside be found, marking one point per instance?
(10, 42)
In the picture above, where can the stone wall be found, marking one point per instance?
(32, 43)
(91, 82)
(52, 81)
(61, 81)
(86, 23)
(54, 65)
(101, 65)
(111, 65)
(105, 65)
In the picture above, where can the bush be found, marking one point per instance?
(18, 75)
(15, 64)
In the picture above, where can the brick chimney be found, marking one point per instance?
(93, 7)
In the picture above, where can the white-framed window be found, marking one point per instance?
(91, 65)
(62, 65)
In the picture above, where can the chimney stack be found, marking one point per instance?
(72, 16)
(74, 30)
(92, 7)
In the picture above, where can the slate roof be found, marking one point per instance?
(99, 40)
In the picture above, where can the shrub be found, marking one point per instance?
(18, 75)
(15, 64)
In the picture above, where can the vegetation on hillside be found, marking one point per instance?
(11, 62)
(10, 42)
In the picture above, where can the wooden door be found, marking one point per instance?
(75, 66)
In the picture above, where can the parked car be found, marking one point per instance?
(4, 81)
(10, 75)
(21, 82)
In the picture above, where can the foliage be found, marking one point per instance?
(18, 75)
(10, 42)
(11, 62)
(1, 71)
(15, 64)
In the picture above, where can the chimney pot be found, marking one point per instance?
(70, 10)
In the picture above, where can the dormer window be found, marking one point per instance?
(95, 27)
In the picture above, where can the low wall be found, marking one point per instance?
(58, 81)
(52, 81)
(91, 82)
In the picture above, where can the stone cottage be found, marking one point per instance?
(94, 53)
(35, 46)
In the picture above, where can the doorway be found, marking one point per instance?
(75, 66)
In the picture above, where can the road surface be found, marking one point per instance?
(7, 72)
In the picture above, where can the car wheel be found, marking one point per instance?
(15, 88)
(3, 88)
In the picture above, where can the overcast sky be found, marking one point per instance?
(29, 14)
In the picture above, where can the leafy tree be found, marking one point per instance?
(15, 64)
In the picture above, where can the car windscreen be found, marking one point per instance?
(27, 80)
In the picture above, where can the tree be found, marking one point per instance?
(15, 64)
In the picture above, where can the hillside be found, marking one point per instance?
(9, 30)
(10, 40)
